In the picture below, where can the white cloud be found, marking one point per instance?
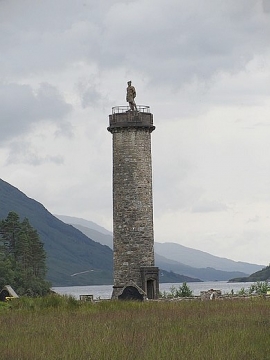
(202, 66)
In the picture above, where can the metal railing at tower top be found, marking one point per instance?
(124, 109)
(124, 117)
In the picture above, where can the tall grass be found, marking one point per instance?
(64, 328)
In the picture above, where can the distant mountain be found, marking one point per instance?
(171, 277)
(68, 250)
(201, 259)
(205, 274)
(186, 267)
(104, 239)
(85, 223)
(72, 257)
(261, 275)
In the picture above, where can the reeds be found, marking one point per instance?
(63, 328)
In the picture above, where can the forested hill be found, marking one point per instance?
(73, 258)
(262, 275)
(68, 251)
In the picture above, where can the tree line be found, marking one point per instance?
(22, 257)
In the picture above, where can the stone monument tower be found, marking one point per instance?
(135, 276)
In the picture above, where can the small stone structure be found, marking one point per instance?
(87, 298)
(133, 236)
(210, 294)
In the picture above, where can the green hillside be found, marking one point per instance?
(171, 277)
(171, 266)
(261, 275)
(68, 250)
(72, 257)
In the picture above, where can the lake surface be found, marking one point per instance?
(105, 291)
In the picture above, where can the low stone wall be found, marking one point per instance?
(212, 294)
(198, 298)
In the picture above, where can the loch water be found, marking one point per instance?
(105, 291)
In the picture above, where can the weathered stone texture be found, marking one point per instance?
(133, 236)
(132, 204)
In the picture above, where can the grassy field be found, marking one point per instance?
(63, 328)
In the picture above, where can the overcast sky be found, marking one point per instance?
(203, 66)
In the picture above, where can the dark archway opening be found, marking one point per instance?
(130, 293)
(150, 289)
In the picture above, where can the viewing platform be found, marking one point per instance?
(124, 117)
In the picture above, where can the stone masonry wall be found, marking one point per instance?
(132, 204)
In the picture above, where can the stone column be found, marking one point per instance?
(133, 237)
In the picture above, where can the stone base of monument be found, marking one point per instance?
(150, 281)
(130, 291)
(149, 289)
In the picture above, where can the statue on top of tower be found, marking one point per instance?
(131, 94)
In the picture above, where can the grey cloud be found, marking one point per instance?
(179, 43)
(171, 178)
(169, 42)
(64, 129)
(21, 108)
(50, 104)
(22, 152)
(266, 6)
(174, 195)
(49, 35)
(88, 92)
(208, 206)
(261, 124)
(174, 199)
(255, 219)
(90, 97)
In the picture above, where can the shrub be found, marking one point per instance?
(182, 291)
(260, 288)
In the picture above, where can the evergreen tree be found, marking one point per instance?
(9, 230)
(22, 257)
